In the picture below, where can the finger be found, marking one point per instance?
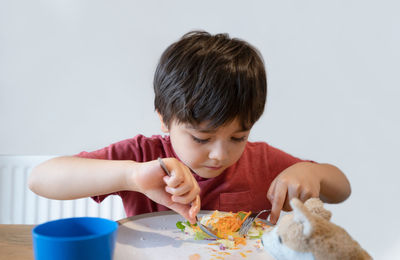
(279, 196)
(186, 198)
(195, 207)
(293, 192)
(183, 210)
(188, 183)
(186, 192)
(306, 194)
(182, 189)
(175, 180)
(166, 179)
(271, 190)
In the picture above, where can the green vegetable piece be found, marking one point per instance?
(200, 235)
(180, 225)
(241, 215)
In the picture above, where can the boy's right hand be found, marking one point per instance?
(180, 192)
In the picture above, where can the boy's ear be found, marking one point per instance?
(164, 127)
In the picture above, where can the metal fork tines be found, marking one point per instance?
(206, 230)
(244, 228)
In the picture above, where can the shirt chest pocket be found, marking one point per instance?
(235, 201)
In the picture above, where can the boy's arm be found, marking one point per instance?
(65, 178)
(73, 177)
(335, 187)
(304, 180)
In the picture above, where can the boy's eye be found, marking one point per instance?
(240, 139)
(200, 141)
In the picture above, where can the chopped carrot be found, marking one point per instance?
(227, 225)
(194, 257)
(240, 240)
(211, 217)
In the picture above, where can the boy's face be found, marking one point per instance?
(208, 152)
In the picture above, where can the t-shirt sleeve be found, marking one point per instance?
(130, 149)
(137, 149)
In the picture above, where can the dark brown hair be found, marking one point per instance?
(210, 78)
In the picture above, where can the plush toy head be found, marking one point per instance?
(307, 233)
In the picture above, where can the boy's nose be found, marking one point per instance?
(218, 152)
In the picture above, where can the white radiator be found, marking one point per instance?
(19, 205)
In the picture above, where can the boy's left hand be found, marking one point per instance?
(297, 181)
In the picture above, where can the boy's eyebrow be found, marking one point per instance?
(210, 131)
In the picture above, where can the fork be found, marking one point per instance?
(201, 226)
(246, 225)
(206, 230)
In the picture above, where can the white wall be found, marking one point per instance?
(77, 75)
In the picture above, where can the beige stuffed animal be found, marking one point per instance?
(307, 233)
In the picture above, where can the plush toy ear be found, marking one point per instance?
(302, 216)
(316, 207)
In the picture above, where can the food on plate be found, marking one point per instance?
(225, 225)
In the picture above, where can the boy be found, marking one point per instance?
(209, 91)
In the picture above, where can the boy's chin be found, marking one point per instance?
(207, 173)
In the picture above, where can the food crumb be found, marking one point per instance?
(212, 249)
(194, 257)
(243, 255)
(224, 253)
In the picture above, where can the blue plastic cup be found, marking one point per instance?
(75, 238)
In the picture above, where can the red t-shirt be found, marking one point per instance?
(243, 186)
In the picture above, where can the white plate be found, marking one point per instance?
(155, 236)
